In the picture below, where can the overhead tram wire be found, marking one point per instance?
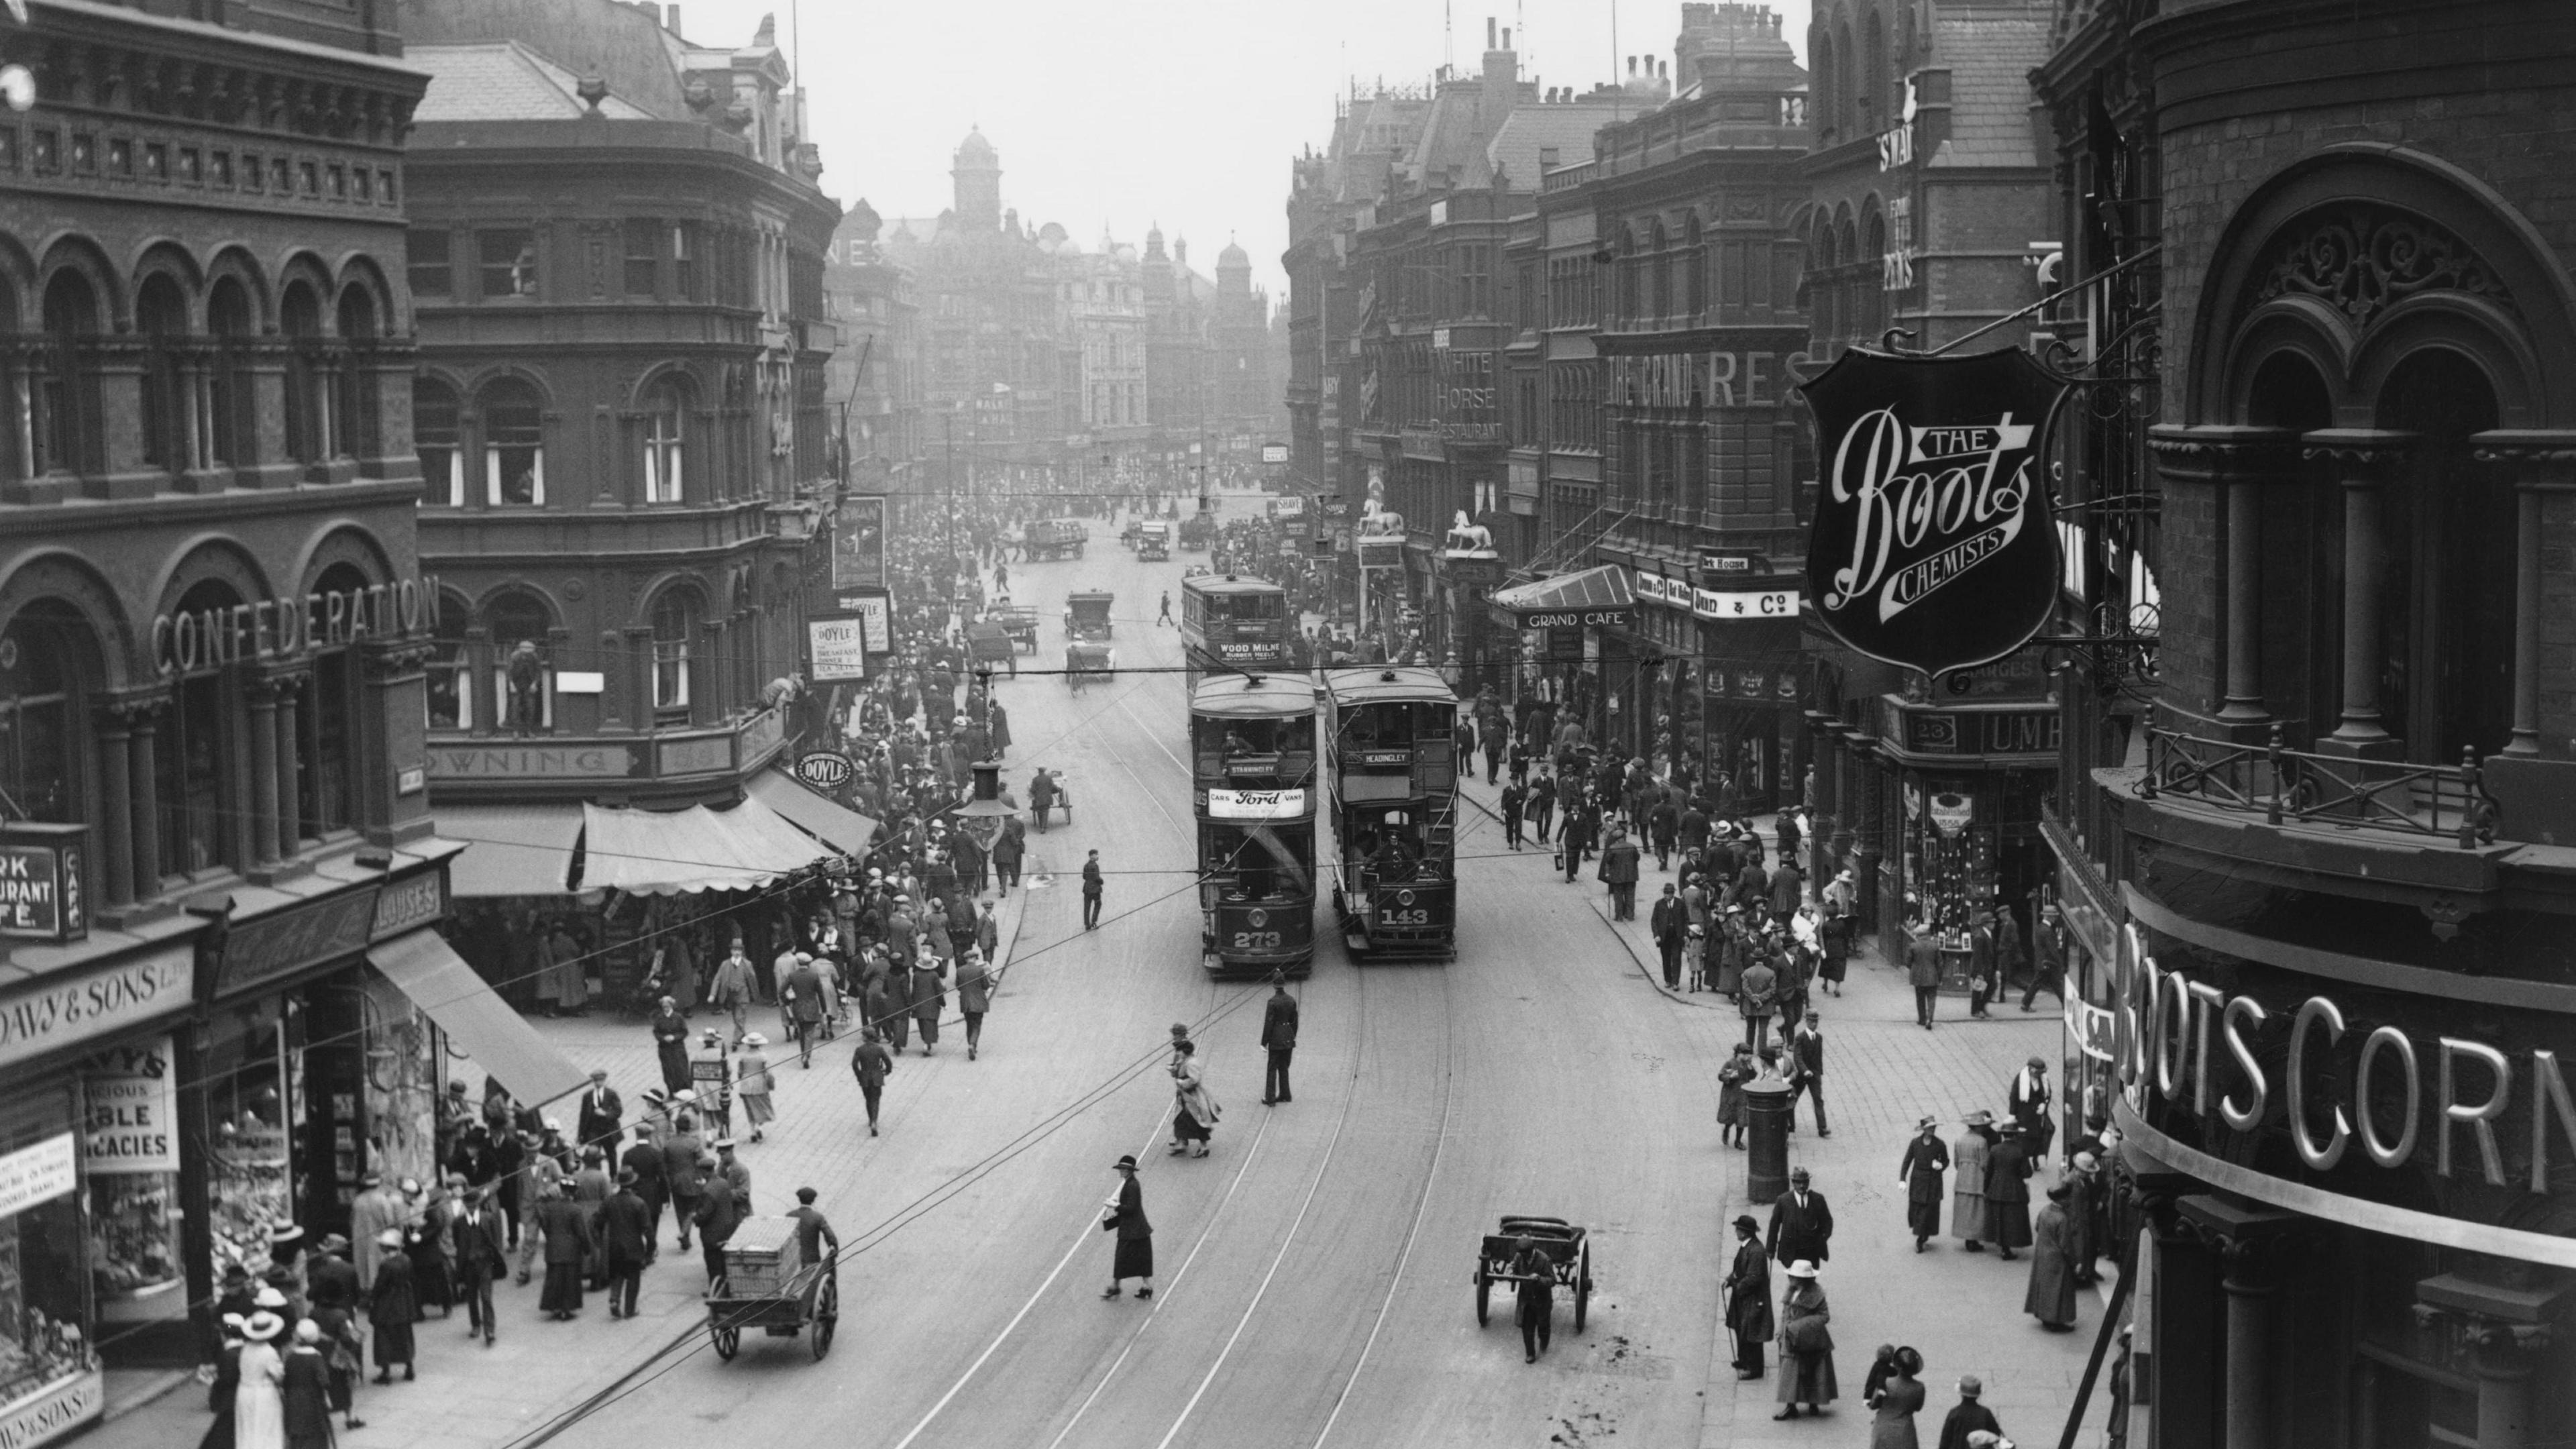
(886, 1227)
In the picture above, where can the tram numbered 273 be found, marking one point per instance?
(1233, 622)
(1252, 768)
(1394, 781)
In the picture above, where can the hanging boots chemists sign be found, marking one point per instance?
(1933, 545)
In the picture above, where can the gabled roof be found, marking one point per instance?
(503, 80)
(1991, 55)
(1567, 129)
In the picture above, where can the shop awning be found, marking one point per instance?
(1593, 597)
(479, 1024)
(511, 850)
(660, 853)
(827, 820)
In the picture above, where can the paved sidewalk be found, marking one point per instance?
(469, 1398)
(1962, 1311)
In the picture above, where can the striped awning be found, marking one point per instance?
(1593, 597)
(661, 853)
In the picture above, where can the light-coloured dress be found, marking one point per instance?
(259, 1407)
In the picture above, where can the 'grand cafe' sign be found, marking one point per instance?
(2360, 1081)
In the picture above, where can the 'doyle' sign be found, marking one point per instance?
(1933, 546)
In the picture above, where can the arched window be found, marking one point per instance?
(1695, 258)
(1873, 309)
(161, 315)
(1845, 84)
(1658, 291)
(450, 695)
(308, 418)
(43, 653)
(437, 434)
(230, 398)
(67, 427)
(2448, 528)
(665, 442)
(1874, 112)
(514, 444)
(523, 681)
(326, 785)
(1628, 280)
(17, 450)
(675, 624)
(1822, 80)
(197, 795)
(1820, 286)
(354, 427)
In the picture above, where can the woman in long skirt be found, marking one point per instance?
(2051, 1296)
(1739, 1069)
(226, 1389)
(392, 1309)
(752, 1083)
(1194, 1112)
(1968, 1199)
(1806, 1345)
(259, 1406)
(1897, 1402)
(304, 1390)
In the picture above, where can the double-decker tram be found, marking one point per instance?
(1394, 774)
(1252, 786)
(1231, 622)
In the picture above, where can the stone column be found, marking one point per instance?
(143, 786)
(641, 668)
(2363, 459)
(290, 770)
(2543, 463)
(2499, 1328)
(2249, 1242)
(116, 807)
(261, 695)
(484, 705)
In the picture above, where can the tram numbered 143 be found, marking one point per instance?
(1394, 780)
(1252, 766)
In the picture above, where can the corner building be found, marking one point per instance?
(215, 849)
(2336, 844)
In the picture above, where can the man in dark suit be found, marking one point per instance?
(1807, 1055)
(643, 1161)
(1802, 1223)
(719, 1212)
(1279, 1039)
(1923, 969)
(1669, 924)
(626, 1231)
(603, 1116)
(481, 1256)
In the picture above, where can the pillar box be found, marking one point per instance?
(1767, 1104)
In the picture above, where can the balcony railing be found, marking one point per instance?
(2286, 785)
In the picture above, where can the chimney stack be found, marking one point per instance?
(1489, 34)
(671, 15)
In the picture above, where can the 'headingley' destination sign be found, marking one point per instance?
(1933, 546)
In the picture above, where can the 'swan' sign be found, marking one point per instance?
(1932, 546)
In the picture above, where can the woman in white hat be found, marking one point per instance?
(304, 1389)
(259, 1404)
(752, 1082)
(1806, 1344)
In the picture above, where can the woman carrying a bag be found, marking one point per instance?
(1806, 1344)
(1194, 1112)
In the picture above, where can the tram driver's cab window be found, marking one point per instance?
(1251, 867)
(1389, 843)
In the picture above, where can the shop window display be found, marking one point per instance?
(250, 1112)
(130, 1172)
(44, 1299)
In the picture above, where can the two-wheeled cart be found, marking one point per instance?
(1569, 1259)
(767, 1286)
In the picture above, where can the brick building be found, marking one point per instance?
(1932, 211)
(2334, 828)
(218, 854)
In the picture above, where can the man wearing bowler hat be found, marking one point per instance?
(1124, 1214)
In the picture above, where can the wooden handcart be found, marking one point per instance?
(767, 1286)
(1567, 1252)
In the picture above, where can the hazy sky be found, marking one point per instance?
(1128, 112)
